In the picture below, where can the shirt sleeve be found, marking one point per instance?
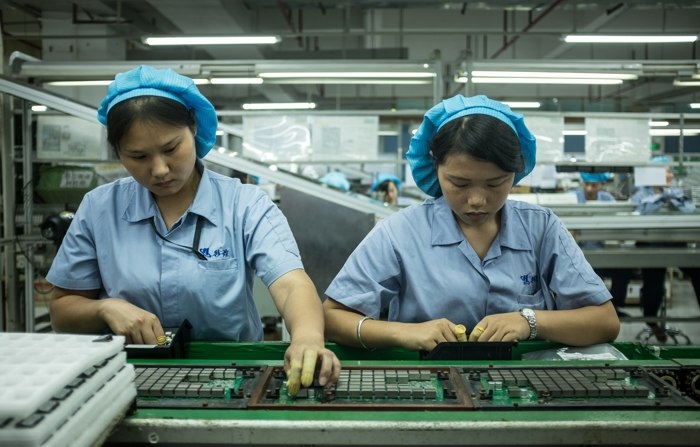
(269, 243)
(569, 277)
(75, 265)
(371, 277)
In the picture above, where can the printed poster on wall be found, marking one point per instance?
(624, 140)
(548, 131)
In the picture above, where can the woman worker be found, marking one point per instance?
(507, 270)
(387, 188)
(177, 241)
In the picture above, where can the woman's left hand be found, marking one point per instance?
(510, 326)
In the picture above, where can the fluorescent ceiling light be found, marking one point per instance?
(339, 81)
(573, 132)
(348, 74)
(212, 40)
(658, 123)
(578, 81)
(695, 105)
(591, 38)
(39, 108)
(686, 82)
(552, 74)
(80, 83)
(279, 106)
(522, 104)
(219, 81)
(673, 132)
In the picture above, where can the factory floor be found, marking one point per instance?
(681, 303)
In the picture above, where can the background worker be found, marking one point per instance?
(387, 188)
(653, 199)
(592, 190)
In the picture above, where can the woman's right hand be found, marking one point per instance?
(425, 336)
(138, 326)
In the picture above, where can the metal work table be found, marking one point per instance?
(588, 426)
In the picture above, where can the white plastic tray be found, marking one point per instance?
(34, 367)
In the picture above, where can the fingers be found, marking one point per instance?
(476, 333)
(307, 371)
(460, 332)
(330, 368)
(294, 377)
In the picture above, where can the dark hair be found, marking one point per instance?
(482, 137)
(153, 109)
(384, 186)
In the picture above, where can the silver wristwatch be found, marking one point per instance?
(529, 315)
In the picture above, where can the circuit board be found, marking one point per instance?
(573, 388)
(377, 388)
(419, 388)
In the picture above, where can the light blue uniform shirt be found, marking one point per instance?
(648, 201)
(111, 246)
(418, 265)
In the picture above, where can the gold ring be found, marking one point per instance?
(479, 328)
(161, 339)
(460, 332)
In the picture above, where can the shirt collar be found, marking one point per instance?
(141, 206)
(445, 230)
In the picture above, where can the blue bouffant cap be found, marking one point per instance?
(418, 155)
(595, 177)
(337, 180)
(148, 81)
(660, 160)
(381, 178)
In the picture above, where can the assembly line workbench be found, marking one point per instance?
(469, 406)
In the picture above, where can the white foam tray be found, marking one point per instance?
(34, 367)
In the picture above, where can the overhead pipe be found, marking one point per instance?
(531, 23)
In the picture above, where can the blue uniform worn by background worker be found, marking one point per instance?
(619, 277)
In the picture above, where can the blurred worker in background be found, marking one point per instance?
(386, 187)
(507, 270)
(592, 190)
(652, 199)
(177, 241)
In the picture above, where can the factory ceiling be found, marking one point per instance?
(54, 40)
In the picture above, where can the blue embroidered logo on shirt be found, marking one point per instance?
(528, 279)
(220, 252)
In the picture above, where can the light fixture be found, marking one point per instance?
(695, 105)
(348, 74)
(660, 38)
(673, 132)
(573, 132)
(235, 80)
(39, 108)
(348, 77)
(686, 82)
(546, 77)
(575, 81)
(212, 40)
(523, 104)
(658, 123)
(101, 82)
(279, 106)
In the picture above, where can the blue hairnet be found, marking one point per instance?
(595, 177)
(418, 155)
(337, 180)
(660, 160)
(148, 81)
(381, 178)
